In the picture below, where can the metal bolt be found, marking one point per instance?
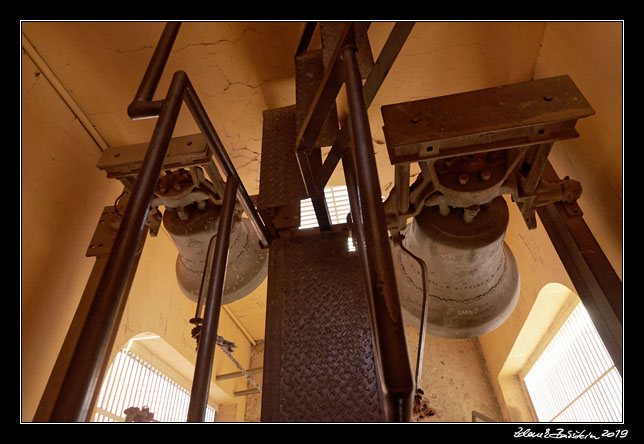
(183, 215)
(177, 185)
(470, 213)
(547, 97)
(463, 178)
(162, 188)
(486, 174)
(201, 204)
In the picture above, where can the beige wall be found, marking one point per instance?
(592, 55)
(63, 195)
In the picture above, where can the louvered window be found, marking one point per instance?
(132, 382)
(337, 201)
(574, 379)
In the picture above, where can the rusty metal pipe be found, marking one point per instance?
(96, 339)
(392, 347)
(208, 335)
(424, 311)
(219, 151)
(142, 106)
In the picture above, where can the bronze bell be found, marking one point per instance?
(192, 231)
(472, 276)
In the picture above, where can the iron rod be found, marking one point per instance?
(142, 106)
(208, 335)
(357, 228)
(402, 194)
(386, 59)
(323, 101)
(425, 310)
(398, 382)
(219, 151)
(103, 318)
(307, 35)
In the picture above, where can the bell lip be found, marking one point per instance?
(451, 230)
(190, 280)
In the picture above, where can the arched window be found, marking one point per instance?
(132, 384)
(574, 379)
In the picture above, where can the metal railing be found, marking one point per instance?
(89, 360)
(79, 388)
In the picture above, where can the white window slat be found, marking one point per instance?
(132, 382)
(574, 379)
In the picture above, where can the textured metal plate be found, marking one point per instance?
(330, 32)
(319, 360)
(309, 72)
(280, 179)
(531, 112)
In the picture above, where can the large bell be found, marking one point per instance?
(472, 277)
(192, 231)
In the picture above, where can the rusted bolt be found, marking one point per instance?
(201, 204)
(463, 178)
(177, 185)
(486, 174)
(415, 120)
(162, 188)
(547, 97)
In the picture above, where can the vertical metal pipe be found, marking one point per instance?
(357, 220)
(208, 335)
(96, 339)
(398, 381)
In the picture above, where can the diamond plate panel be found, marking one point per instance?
(280, 179)
(309, 72)
(319, 360)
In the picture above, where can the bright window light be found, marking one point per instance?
(132, 382)
(574, 379)
(337, 201)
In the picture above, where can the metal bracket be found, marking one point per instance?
(456, 139)
(105, 233)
